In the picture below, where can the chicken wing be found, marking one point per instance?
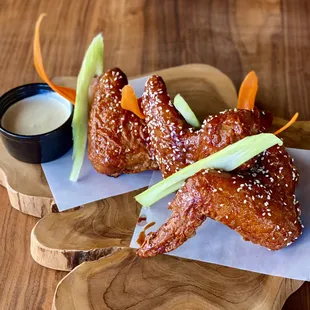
(117, 139)
(175, 144)
(259, 204)
(257, 201)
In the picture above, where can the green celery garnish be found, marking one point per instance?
(92, 65)
(182, 106)
(228, 159)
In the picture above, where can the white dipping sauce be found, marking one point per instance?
(37, 114)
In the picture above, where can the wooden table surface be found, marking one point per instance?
(272, 37)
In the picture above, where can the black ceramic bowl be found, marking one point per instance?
(37, 148)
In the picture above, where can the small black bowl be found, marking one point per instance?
(40, 148)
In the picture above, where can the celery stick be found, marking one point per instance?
(228, 159)
(182, 106)
(165, 192)
(92, 65)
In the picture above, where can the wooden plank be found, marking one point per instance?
(125, 281)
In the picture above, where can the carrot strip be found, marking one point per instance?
(247, 92)
(290, 123)
(130, 102)
(65, 92)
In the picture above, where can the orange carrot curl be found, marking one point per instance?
(65, 92)
(290, 123)
(247, 92)
(130, 102)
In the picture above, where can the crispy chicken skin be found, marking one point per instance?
(257, 201)
(259, 204)
(175, 144)
(117, 139)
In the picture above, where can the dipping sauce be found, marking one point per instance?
(142, 235)
(141, 220)
(36, 115)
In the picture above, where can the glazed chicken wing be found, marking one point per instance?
(257, 201)
(259, 204)
(175, 144)
(117, 139)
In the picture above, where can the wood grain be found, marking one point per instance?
(271, 37)
(209, 89)
(24, 285)
(26, 186)
(64, 240)
(125, 281)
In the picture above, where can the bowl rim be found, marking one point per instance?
(32, 138)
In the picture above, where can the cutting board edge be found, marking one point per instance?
(37, 206)
(68, 259)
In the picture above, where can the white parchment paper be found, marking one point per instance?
(216, 243)
(91, 186)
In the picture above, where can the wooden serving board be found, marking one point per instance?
(104, 229)
(124, 281)
(62, 241)
(26, 184)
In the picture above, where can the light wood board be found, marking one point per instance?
(64, 240)
(125, 281)
(26, 185)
